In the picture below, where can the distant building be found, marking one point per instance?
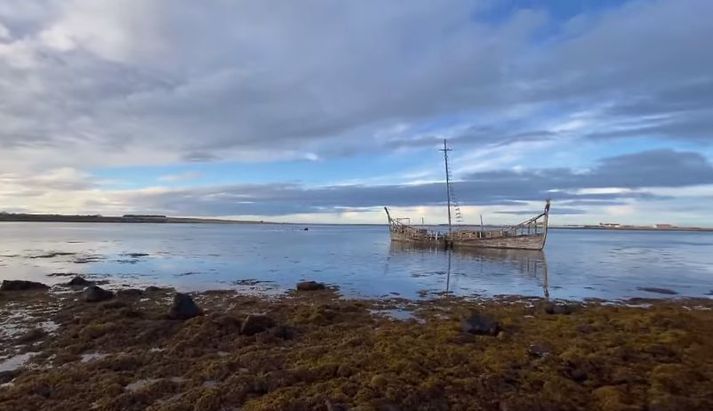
(145, 216)
(610, 225)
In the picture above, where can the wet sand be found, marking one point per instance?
(323, 352)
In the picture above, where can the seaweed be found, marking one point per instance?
(320, 351)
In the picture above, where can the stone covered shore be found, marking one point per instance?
(76, 347)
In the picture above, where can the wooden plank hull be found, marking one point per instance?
(419, 239)
(521, 242)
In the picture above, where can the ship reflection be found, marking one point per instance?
(530, 263)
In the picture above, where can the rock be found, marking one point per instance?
(657, 290)
(112, 305)
(183, 307)
(585, 329)
(135, 255)
(33, 335)
(284, 332)
(559, 308)
(378, 381)
(480, 324)
(310, 286)
(153, 289)
(256, 323)
(130, 293)
(22, 285)
(7, 376)
(577, 374)
(78, 281)
(95, 294)
(306, 229)
(539, 350)
(335, 407)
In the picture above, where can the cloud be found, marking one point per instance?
(187, 176)
(89, 84)
(201, 82)
(598, 187)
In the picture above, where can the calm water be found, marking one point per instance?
(358, 259)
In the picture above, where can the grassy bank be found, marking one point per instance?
(318, 351)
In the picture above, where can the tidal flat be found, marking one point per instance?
(317, 350)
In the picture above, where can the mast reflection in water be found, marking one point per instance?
(466, 268)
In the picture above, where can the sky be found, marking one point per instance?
(324, 111)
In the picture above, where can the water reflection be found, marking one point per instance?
(471, 264)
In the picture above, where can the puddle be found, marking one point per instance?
(13, 363)
(397, 314)
(141, 384)
(145, 382)
(93, 356)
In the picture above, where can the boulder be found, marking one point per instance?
(7, 376)
(310, 286)
(94, 294)
(657, 290)
(481, 324)
(538, 350)
(78, 281)
(284, 332)
(559, 308)
(22, 285)
(335, 406)
(183, 307)
(129, 293)
(256, 323)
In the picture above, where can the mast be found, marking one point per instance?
(445, 150)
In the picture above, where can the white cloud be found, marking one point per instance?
(96, 83)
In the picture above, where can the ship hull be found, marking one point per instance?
(521, 242)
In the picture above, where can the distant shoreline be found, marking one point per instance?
(129, 219)
(632, 228)
(148, 219)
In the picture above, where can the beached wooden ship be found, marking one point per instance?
(530, 234)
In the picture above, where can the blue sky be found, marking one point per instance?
(327, 111)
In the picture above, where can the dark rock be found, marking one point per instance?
(183, 307)
(7, 376)
(112, 305)
(585, 329)
(310, 286)
(481, 324)
(95, 294)
(576, 374)
(33, 335)
(78, 281)
(22, 285)
(129, 293)
(539, 350)
(153, 289)
(657, 290)
(284, 332)
(135, 255)
(256, 323)
(306, 229)
(389, 406)
(335, 407)
(559, 308)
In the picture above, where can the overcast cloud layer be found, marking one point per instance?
(606, 110)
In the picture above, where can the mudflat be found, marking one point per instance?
(315, 350)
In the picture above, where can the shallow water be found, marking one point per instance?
(576, 264)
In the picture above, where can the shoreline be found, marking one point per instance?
(318, 350)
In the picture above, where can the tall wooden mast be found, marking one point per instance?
(445, 150)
